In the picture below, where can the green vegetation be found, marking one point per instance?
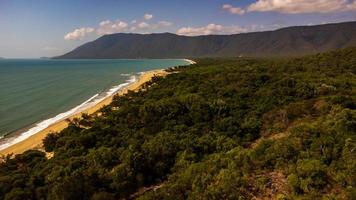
(221, 129)
(290, 41)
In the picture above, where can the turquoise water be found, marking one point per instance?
(35, 90)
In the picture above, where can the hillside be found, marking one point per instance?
(220, 129)
(292, 41)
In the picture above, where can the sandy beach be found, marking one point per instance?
(35, 141)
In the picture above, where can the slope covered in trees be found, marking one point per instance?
(291, 41)
(220, 129)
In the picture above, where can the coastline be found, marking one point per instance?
(35, 141)
(191, 62)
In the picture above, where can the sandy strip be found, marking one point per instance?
(35, 141)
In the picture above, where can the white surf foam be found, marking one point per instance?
(48, 122)
(191, 62)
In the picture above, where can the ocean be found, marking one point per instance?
(35, 93)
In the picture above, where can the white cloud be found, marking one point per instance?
(351, 6)
(210, 29)
(164, 23)
(109, 27)
(233, 10)
(294, 6)
(148, 16)
(106, 22)
(143, 25)
(78, 34)
(302, 6)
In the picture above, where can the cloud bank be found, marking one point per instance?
(210, 29)
(78, 34)
(148, 16)
(294, 6)
(110, 27)
(233, 10)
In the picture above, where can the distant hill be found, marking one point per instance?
(291, 41)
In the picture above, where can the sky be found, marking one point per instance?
(46, 28)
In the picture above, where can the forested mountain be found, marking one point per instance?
(292, 41)
(220, 129)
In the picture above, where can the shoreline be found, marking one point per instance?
(35, 141)
(191, 62)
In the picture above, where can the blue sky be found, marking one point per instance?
(36, 28)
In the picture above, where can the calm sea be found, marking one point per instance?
(37, 92)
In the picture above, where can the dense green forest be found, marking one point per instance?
(220, 129)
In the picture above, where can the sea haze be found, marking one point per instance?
(36, 90)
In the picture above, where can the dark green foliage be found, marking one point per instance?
(49, 142)
(221, 129)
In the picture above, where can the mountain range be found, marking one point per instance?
(291, 41)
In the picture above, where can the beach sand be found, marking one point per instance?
(35, 141)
